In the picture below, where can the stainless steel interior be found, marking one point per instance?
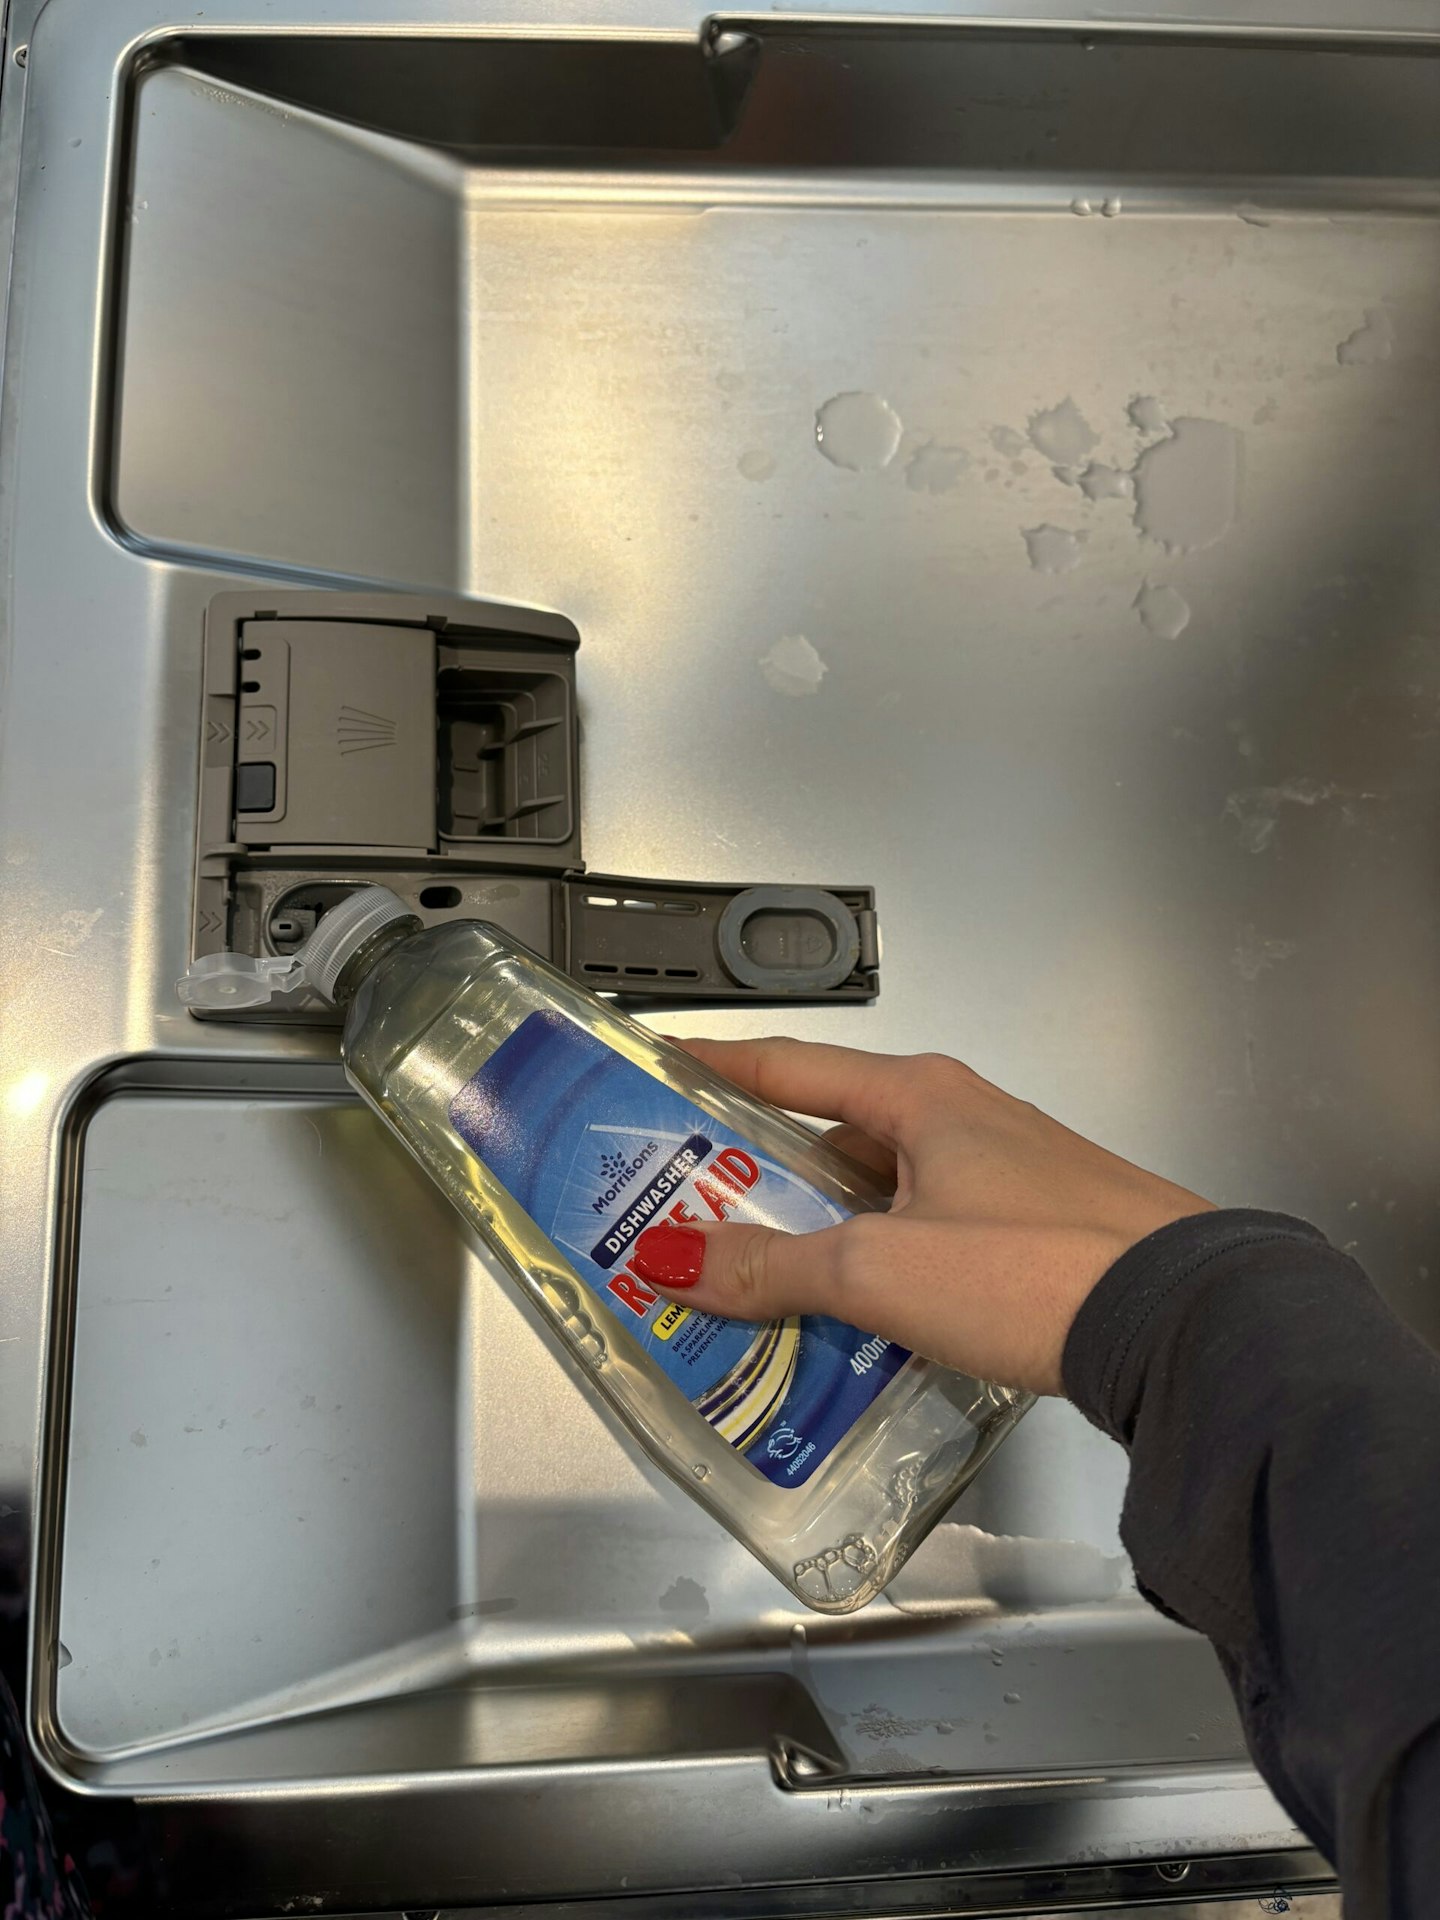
(332, 1564)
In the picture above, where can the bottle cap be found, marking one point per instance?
(226, 982)
(342, 931)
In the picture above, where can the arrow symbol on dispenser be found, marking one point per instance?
(256, 729)
(216, 730)
(208, 923)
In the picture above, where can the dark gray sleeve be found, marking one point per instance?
(1284, 1437)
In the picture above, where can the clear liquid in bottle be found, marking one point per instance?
(561, 1129)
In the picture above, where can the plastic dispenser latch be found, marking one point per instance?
(225, 982)
(220, 982)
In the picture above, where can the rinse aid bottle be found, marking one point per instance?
(561, 1129)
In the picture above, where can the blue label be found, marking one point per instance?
(596, 1150)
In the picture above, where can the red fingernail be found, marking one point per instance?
(669, 1256)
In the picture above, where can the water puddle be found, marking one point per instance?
(1063, 434)
(1187, 486)
(1371, 344)
(1147, 415)
(1052, 549)
(1106, 483)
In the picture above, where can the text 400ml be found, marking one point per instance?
(865, 1357)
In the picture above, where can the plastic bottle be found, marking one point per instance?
(561, 1129)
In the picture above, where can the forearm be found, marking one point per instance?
(1284, 1499)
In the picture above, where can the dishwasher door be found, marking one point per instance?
(988, 459)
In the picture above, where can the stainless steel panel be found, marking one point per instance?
(263, 1427)
(317, 1460)
(1173, 881)
(319, 334)
(913, 1899)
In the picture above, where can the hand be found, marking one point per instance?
(1003, 1220)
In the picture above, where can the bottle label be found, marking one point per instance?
(595, 1149)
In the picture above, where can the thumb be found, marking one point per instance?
(742, 1272)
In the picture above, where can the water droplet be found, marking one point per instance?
(63, 1655)
(997, 1658)
(1008, 442)
(933, 469)
(1083, 207)
(700, 1470)
(1164, 611)
(756, 464)
(684, 1595)
(1106, 483)
(1112, 206)
(1051, 549)
(793, 666)
(1371, 344)
(859, 431)
(1063, 434)
(1187, 486)
(1147, 414)
(1012, 1699)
